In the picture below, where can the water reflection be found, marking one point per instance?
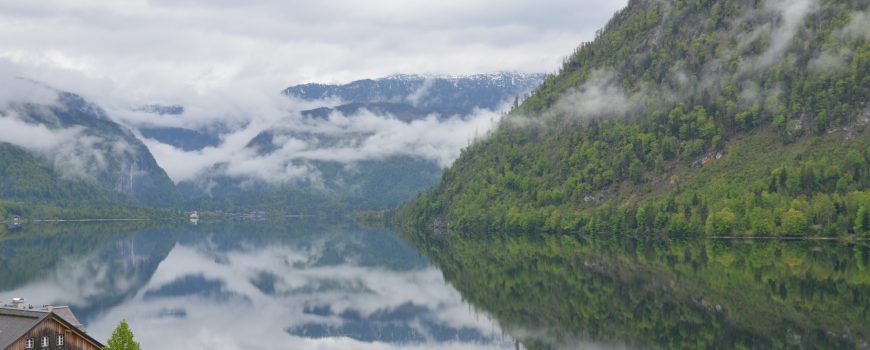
(564, 292)
(296, 285)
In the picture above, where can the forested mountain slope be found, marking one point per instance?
(61, 149)
(724, 117)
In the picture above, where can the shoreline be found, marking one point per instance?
(82, 220)
(789, 238)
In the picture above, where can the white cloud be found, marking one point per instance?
(600, 96)
(71, 150)
(374, 137)
(431, 138)
(225, 62)
(782, 19)
(414, 98)
(858, 27)
(829, 60)
(16, 89)
(34, 137)
(791, 14)
(154, 49)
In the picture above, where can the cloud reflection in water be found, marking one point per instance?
(280, 296)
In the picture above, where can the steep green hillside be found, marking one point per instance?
(80, 157)
(24, 175)
(31, 187)
(725, 117)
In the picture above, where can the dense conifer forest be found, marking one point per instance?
(735, 117)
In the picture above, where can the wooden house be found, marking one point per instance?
(24, 328)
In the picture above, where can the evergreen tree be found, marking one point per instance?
(862, 221)
(708, 158)
(122, 339)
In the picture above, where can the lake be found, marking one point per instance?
(611, 291)
(291, 285)
(332, 285)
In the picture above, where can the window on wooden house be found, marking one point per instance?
(60, 340)
(28, 344)
(44, 342)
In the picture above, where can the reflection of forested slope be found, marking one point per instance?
(117, 272)
(656, 293)
(27, 251)
(335, 242)
(93, 266)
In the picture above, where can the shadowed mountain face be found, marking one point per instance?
(185, 139)
(440, 95)
(77, 153)
(401, 111)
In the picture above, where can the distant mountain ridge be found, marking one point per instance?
(405, 97)
(402, 111)
(185, 139)
(372, 183)
(444, 95)
(97, 159)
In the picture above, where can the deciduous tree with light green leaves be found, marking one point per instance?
(721, 222)
(794, 222)
(122, 339)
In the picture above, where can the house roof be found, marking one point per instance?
(65, 313)
(14, 323)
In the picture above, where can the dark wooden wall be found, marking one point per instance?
(51, 328)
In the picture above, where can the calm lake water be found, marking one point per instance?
(313, 285)
(294, 285)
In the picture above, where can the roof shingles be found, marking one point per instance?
(16, 322)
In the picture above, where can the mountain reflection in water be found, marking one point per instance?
(238, 286)
(305, 285)
(565, 292)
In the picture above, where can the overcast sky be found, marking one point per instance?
(226, 61)
(154, 49)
